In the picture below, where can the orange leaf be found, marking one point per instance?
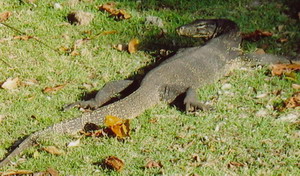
(256, 35)
(281, 69)
(53, 150)
(121, 130)
(53, 89)
(114, 163)
(293, 101)
(118, 13)
(132, 45)
(4, 16)
(120, 127)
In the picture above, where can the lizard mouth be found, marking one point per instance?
(198, 29)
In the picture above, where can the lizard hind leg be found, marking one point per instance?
(192, 103)
(105, 94)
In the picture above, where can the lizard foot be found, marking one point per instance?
(192, 103)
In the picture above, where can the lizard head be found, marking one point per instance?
(198, 29)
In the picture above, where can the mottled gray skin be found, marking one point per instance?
(182, 73)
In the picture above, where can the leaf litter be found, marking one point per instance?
(115, 126)
(110, 8)
(4, 16)
(114, 163)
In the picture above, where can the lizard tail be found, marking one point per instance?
(129, 107)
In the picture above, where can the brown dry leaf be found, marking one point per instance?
(22, 37)
(53, 89)
(4, 16)
(293, 101)
(235, 164)
(295, 86)
(153, 164)
(48, 172)
(284, 69)
(283, 40)
(120, 127)
(53, 150)
(256, 35)
(115, 163)
(15, 172)
(132, 45)
(52, 172)
(10, 83)
(111, 9)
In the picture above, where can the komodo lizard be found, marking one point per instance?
(182, 73)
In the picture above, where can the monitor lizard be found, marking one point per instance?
(184, 72)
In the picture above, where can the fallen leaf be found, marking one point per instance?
(48, 172)
(16, 172)
(119, 127)
(115, 163)
(295, 86)
(153, 164)
(52, 172)
(22, 37)
(256, 35)
(10, 83)
(293, 101)
(132, 45)
(4, 16)
(121, 130)
(74, 53)
(53, 150)
(283, 40)
(113, 11)
(284, 69)
(53, 89)
(235, 164)
(74, 143)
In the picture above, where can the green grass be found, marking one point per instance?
(231, 133)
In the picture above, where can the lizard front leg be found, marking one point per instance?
(192, 103)
(104, 95)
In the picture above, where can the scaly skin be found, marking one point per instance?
(184, 72)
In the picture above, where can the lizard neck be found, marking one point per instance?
(228, 38)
